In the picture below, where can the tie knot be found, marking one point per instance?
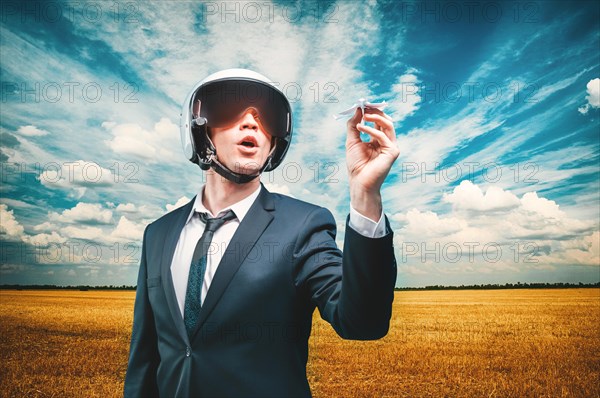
(212, 224)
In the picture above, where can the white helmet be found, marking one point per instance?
(224, 97)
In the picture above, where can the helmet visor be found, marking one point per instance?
(224, 102)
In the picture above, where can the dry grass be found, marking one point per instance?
(505, 343)
(64, 343)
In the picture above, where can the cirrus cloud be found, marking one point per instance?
(31, 131)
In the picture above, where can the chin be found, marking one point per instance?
(246, 166)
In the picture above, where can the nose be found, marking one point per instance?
(249, 121)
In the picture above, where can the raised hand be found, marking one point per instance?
(369, 162)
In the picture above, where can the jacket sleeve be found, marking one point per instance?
(140, 380)
(354, 291)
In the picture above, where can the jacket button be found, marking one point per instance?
(188, 351)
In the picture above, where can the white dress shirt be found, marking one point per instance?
(193, 229)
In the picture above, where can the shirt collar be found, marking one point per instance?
(239, 208)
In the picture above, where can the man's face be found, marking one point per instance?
(244, 146)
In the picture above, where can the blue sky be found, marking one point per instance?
(496, 110)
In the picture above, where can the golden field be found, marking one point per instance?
(471, 343)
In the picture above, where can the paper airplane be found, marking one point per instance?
(362, 103)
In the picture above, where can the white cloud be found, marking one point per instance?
(180, 202)
(92, 213)
(139, 213)
(159, 145)
(588, 253)
(31, 131)
(593, 91)
(9, 225)
(428, 223)
(77, 176)
(544, 225)
(126, 208)
(46, 226)
(592, 97)
(531, 232)
(45, 239)
(127, 230)
(100, 225)
(85, 233)
(548, 208)
(584, 109)
(469, 196)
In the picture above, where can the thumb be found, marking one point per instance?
(353, 133)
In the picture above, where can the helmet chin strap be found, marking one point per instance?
(232, 176)
(237, 178)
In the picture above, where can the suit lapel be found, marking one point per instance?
(171, 239)
(249, 231)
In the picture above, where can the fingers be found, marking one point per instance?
(382, 121)
(377, 112)
(381, 139)
(383, 133)
(373, 111)
(353, 133)
(379, 136)
(355, 118)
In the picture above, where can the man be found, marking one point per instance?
(233, 319)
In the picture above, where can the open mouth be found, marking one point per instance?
(248, 142)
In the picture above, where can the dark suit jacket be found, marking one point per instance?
(252, 337)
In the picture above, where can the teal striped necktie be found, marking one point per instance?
(193, 298)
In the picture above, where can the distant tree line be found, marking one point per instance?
(55, 287)
(518, 285)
